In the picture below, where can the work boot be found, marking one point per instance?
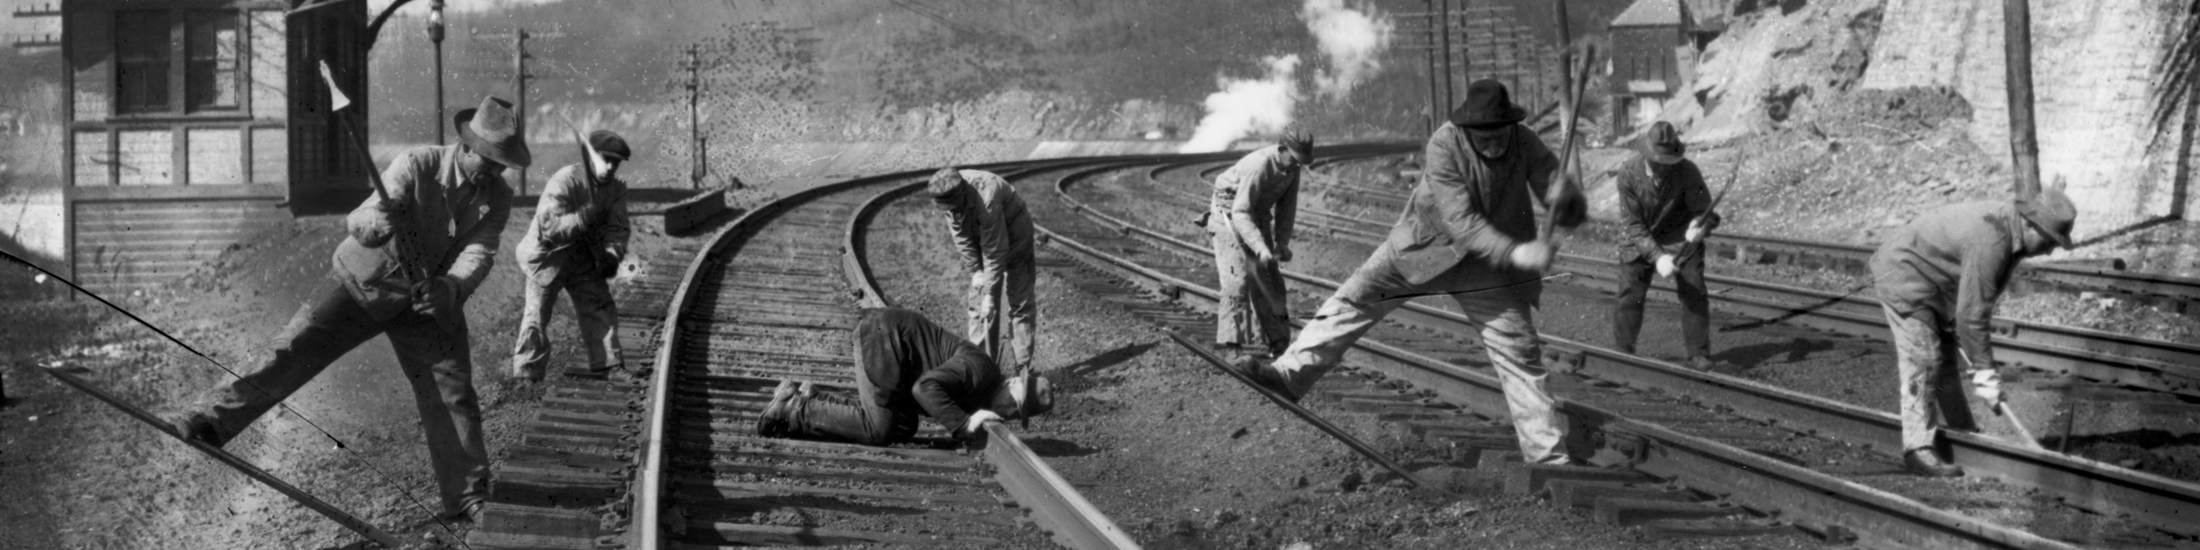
(1706, 364)
(532, 372)
(1925, 462)
(198, 427)
(1266, 376)
(773, 422)
(470, 513)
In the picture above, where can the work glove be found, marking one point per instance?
(607, 261)
(1986, 384)
(436, 297)
(1266, 258)
(976, 425)
(1283, 253)
(977, 280)
(1697, 229)
(1666, 265)
(1533, 256)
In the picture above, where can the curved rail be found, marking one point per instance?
(2159, 502)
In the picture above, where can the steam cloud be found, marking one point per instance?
(1245, 106)
(1353, 41)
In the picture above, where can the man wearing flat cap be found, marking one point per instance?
(404, 272)
(1469, 232)
(575, 244)
(1249, 220)
(993, 231)
(1663, 205)
(906, 368)
(1939, 279)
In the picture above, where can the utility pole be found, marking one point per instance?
(695, 129)
(435, 34)
(1444, 15)
(1437, 109)
(519, 87)
(2024, 145)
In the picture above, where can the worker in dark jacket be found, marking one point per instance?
(994, 233)
(575, 245)
(905, 367)
(1469, 232)
(1249, 219)
(1663, 204)
(405, 272)
(1939, 279)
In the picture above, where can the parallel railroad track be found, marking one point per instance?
(1778, 457)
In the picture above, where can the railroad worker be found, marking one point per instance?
(575, 244)
(1468, 231)
(905, 367)
(1663, 204)
(993, 231)
(1249, 220)
(405, 272)
(1938, 279)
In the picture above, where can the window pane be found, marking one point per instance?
(142, 47)
(210, 72)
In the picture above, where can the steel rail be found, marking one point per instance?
(648, 490)
(2161, 502)
(1877, 517)
(2089, 278)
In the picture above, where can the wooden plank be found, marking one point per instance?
(710, 489)
(743, 534)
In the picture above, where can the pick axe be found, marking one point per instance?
(416, 273)
(1552, 194)
(2001, 409)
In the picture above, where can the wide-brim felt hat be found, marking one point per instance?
(1488, 105)
(2052, 212)
(493, 131)
(1663, 143)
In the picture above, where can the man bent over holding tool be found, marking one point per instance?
(906, 367)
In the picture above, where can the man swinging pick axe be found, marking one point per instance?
(1664, 182)
(575, 244)
(416, 250)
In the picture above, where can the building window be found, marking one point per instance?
(167, 55)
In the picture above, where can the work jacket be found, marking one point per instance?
(992, 229)
(562, 239)
(446, 226)
(1260, 196)
(1955, 260)
(1470, 209)
(916, 366)
(1679, 197)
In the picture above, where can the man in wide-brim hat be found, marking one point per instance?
(1938, 279)
(575, 245)
(405, 272)
(1663, 205)
(1469, 231)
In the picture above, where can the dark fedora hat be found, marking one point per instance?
(2052, 212)
(1663, 143)
(1488, 105)
(493, 131)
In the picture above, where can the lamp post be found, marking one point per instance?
(435, 34)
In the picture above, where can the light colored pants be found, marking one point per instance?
(435, 361)
(1932, 385)
(598, 316)
(1254, 310)
(984, 302)
(1508, 334)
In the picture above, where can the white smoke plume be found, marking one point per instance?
(1353, 41)
(1247, 106)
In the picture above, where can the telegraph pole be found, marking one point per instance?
(2024, 145)
(1436, 108)
(695, 128)
(435, 34)
(1444, 15)
(519, 87)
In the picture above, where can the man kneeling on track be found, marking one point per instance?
(906, 367)
(1939, 279)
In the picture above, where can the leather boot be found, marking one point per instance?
(1266, 376)
(1925, 462)
(773, 422)
(198, 427)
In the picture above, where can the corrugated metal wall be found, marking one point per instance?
(126, 246)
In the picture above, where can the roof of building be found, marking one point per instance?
(1652, 13)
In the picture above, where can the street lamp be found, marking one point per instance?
(435, 34)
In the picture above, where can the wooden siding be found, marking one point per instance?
(126, 246)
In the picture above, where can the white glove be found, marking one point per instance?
(1666, 265)
(977, 279)
(1696, 230)
(978, 420)
(1986, 384)
(1533, 256)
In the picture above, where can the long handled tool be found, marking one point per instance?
(1301, 412)
(2001, 409)
(323, 507)
(1554, 193)
(416, 273)
(1693, 248)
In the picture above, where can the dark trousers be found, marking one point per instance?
(437, 363)
(1634, 280)
(856, 418)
